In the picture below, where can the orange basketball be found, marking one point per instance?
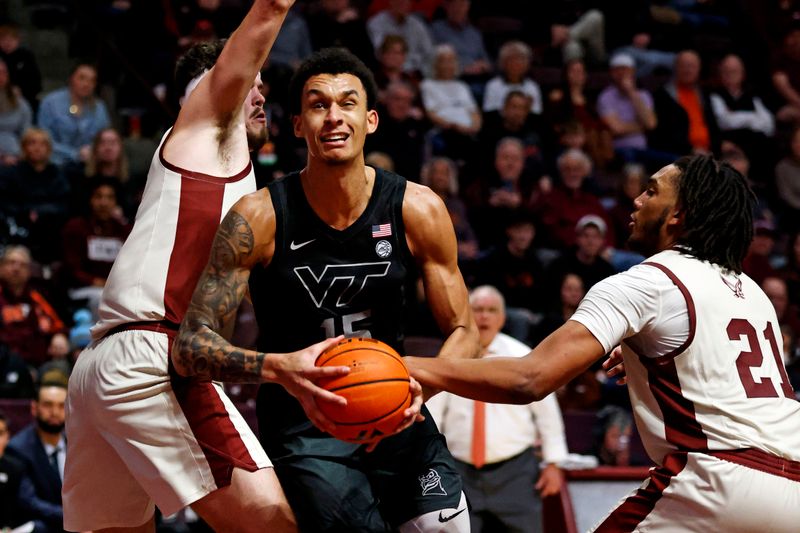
(377, 389)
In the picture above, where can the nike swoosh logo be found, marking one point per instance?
(443, 518)
(294, 246)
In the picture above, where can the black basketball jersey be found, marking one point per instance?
(324, 282)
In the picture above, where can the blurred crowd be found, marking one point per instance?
(538, 124)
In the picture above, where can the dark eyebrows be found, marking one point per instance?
(344, 94)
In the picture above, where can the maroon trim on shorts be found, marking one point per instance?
(211, 426)
(159, 326)
(762, 461)
(632, 512)
(199, 214)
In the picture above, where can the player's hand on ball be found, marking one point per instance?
(410, 416)
(297, 372)
(614, 366)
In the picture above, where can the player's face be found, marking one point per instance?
(655, 213)
(255, 119)
(489, 316)
(334, 119)
(48, 409)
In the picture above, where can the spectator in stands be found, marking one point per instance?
(92, 241)
(495, 198)
(613, 432)
(337, 23)
(585, 258)
(686, 121)
(514, 268)
(787, 183)
(107, 159)
(514, 119)
(450, 107)
(39, 192)
(569, 200)
(790, 272)
(11, 472)
(786, 78)
(402, 132)
(29, 322)
(441, 175)
(742, 117)
(73, 115)
(293, 43)
(16, 380)
(627, 110)
(21, 62)
(513, 62)
(15, 117)
(572, 102)
(757, 263)
(41, 448)
(456, 29)
(788, 314)
(570, 294)
(397, 19)
(632, 182)
(579, 34)
(494, 444)
(391, 60)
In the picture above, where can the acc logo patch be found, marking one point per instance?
(432, 483)
(383, 248)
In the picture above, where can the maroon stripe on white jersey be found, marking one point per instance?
(199, 213)
(211, 426)
(635, 509)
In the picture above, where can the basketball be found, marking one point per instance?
(377, 389)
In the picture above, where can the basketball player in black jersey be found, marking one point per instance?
(331, 250)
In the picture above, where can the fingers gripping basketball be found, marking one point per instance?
(377, 389)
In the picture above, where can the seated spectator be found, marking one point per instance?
(742, 117)
(42, 449)
(579, 35)
(585, 258)
(788, 314)
(335, 23)
(16, 380)
(790, 272)
(513, 62)
(15, 117)
(391, 58)
(456, 29)
(450, 107)
(632, 183)
(786, 78)
(293, 43)
(29, 322)
(572, 102)
(787, 183)
(21, 63)
(561, 208)
(513, 266)
(92, 241)
(401, 134)
(73, 116)
(756, 263)
(514, 119)
(557, 312)
(39, 193)
(495, 198)
(397, 19)
(627, 111)
(441, 175)
(11, 472)
(613, 436)
(686, 121)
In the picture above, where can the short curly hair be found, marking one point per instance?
(195, 60)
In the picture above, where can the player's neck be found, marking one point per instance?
(338, 194)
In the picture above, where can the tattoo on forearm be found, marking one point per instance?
(201, 349)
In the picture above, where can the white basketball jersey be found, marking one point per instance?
(726, 388)
(156, 271)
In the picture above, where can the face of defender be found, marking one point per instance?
(334, 119)
(254, 117)
(651, 210)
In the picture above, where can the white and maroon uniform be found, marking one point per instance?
(139, 434)
(710, 394)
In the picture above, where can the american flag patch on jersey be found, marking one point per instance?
(381, 230)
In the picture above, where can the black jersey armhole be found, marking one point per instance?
(277, 192)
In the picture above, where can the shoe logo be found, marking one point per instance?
(297, 246)
(432, 483)
(443, 518)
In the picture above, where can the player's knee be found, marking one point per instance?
(273, 515)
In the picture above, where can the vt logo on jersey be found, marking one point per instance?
(342, 282)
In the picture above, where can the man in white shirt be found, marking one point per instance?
(710, 393)
(499, 477)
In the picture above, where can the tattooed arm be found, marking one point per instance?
(245, 238)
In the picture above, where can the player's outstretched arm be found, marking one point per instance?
(432, 241)
(557, 359)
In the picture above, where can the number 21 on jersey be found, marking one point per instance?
(754, 358)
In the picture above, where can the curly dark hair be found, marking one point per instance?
(331, 61)
(195, 60)
(717, 204)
